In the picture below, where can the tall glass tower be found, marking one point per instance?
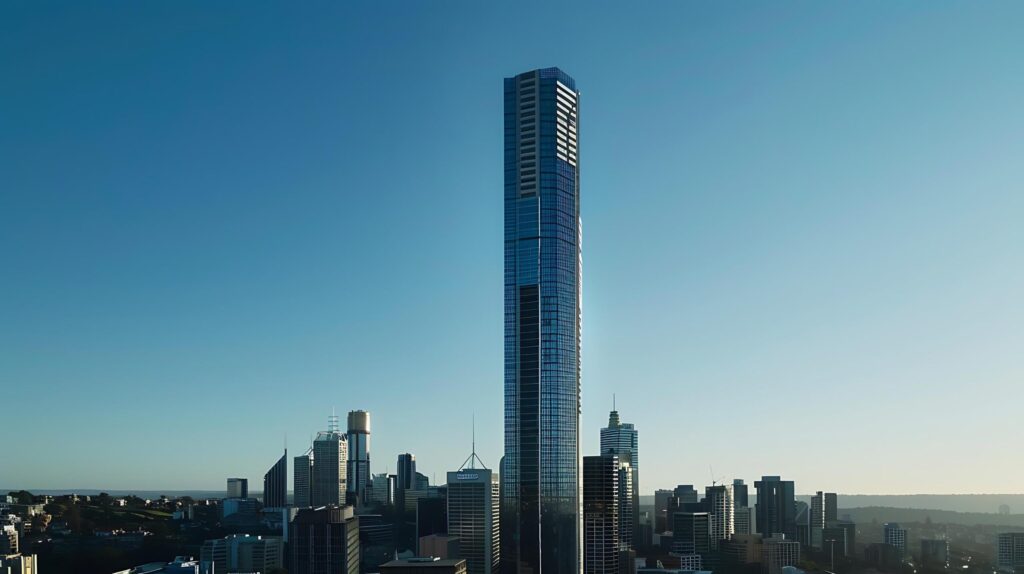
(541, 522)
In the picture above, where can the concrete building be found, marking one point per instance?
(358, 473)
(427, 565)
(324, 540)
(601, 531)
(720, 505)
(241, 553)
(1010, 550)
(778, 552)
(473, 517)
(238, 488)
(303, 477)
(895, 536)
(440, 546)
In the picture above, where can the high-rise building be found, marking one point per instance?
(621, 439)
(895, 536)
(238, 488)
(324, 540)
(382, 489)
(739, 493)
(686, 494)
(542, 504)
(720, 505)
(824, 508)
(405, 479)
(743, 518)
(1010, 550)
(601, 546)
(275, 484)
(775, 510)
(778, 552)
(691, 532)
(358, 474)
(473, 508)
(242, 553)
(661, 503)
(303, 476)
(19, 564)
(330, 455)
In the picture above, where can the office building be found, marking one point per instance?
(824, 509)
(743, 520)
(473, 508)
(742, 549)
(242, 553)
(685, 494)
(382, 489)
(303, 473)
(740, 496)
(275, 484)
(242, 507)
(330, 456)
(775, 511)
(778, 552)
(238, 488)
(425, 565)
(622, 439)
(358, 473)
(691, 532)
(1010, 550)
(601, 543)
(405, 479)
(935, 553)
(895, 536)
(661, 502)
(834, 543)
(720, 506)
(542, 509)
(440, 546)
(431, 512)
(324, 540)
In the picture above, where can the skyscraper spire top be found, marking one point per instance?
(473, 457)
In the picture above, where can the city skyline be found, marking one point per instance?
(809, 236)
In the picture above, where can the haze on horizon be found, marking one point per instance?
(802, 254)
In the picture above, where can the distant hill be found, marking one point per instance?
(968, 503)
(882, 515)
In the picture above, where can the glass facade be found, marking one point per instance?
(541, 494)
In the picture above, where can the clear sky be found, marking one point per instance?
(803, 236)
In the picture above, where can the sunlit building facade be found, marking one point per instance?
(541, 506)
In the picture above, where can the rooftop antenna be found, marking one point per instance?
(332, 422)
(473, 457)
(613, 401)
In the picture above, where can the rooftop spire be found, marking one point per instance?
(473, 457)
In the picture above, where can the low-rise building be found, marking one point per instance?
(424, 566)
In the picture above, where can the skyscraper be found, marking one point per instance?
(275, 483)
(330, 455)
(824, 509)
(601, 542)
(541, 506)
(895, 536)
(621, 439)
(739, 493)
(358, 473)
(324, 541)
(405, 479)
(720, 505)
(238, 488)
(473, 518)
(775, 511)
(302, 469)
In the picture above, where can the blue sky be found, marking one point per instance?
(803, 245)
